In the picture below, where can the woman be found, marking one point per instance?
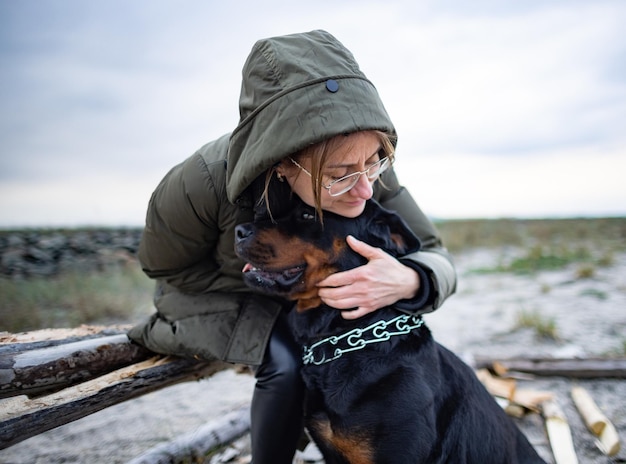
(314, 127)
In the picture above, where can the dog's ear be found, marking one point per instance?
(388, 231)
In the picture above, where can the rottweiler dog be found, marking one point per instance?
(379, 388)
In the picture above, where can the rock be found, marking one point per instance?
(49, 252)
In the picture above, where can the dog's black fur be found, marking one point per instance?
(407, 400)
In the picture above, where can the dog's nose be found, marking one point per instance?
(242, 232)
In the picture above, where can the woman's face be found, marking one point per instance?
(358, 152)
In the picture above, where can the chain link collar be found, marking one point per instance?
(359, 338)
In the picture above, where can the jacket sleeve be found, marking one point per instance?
(181, 228)
(432, 261)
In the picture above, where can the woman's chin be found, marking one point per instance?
(349, 209)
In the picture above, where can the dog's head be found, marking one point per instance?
(290, 255)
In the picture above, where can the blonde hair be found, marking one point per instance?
(318, 154)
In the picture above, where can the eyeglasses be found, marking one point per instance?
(344, 184)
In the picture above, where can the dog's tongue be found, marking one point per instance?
(247, 267)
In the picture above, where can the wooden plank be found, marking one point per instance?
(514, 398)
(503, 388)
(596, 421)
(559, 433)
(22, 418)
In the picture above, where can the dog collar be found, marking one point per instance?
(359, 338)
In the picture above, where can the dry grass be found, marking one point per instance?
(544, 327)
(602, 233)
(113, 296)
(545, 244)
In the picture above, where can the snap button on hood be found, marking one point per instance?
(332, 85)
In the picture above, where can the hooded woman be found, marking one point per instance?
(311, 126)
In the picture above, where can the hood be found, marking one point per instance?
(297, 90)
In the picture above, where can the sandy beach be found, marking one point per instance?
(589, 317)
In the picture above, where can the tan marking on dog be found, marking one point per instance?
(357, 449)
(399, 242)
(319, 266)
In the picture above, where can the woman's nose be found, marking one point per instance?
(363, 188)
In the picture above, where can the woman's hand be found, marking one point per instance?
(381, 282)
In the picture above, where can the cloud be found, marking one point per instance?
(561, 183)
(511, 84)
(102, 95)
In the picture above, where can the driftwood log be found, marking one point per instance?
(42, 367)
(79, 375)
(556, 367)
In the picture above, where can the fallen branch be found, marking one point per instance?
(195, 445)
(560, 367)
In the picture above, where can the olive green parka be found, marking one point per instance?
(297, 90)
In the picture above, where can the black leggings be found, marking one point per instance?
(277, 402)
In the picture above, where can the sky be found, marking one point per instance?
(503, 108)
